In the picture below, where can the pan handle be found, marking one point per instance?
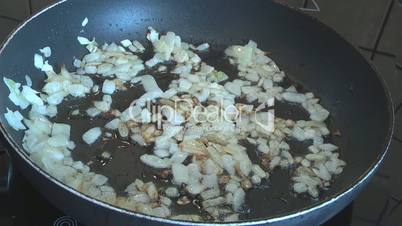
(5, 171)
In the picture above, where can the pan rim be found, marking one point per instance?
(272, 219)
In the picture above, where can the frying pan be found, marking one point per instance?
(309, 52)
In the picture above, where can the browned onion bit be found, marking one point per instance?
(184, 200)
(265, 160)
(108, 115)
(164, 175)
(246, 184)
(337, 132)
(223, 179)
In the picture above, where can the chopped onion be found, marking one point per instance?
(238, 199)
(92, 135)
(83, 40)
(31, 95)
(185, 84)
(47, 67)
(92, 112)
(139, 46)
(149, 83)
(51, 110)
(179, 157)
(46, 51)
(59, 140)
(202, 47)
(152, 35)
(114, 124)
(61, 129)
(109, 86)
(126, 43)
(155, 161)
(15, 94)
(55, 98)
(84, 22)
(180, 173)
(210, 181)
(162, 153)
(172, 192)
(38, 61)
(77, 63)
(14, 119)
(28, 80)
(195, 188)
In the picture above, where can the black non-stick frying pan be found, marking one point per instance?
(310, 53)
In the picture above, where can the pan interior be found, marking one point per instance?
(309, 53)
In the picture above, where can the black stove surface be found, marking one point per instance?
(22, 205)
(372, 25)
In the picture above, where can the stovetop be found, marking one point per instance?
(372, 25)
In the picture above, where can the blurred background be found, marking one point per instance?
(373, 26)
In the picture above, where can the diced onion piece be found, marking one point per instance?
(75, 112)
(84, 22)
(149, 83)
(155, 161)
(210, 193)
(294, 97)
(109, 86)
(185, 84)
(59, 140)
(210, 181)
(238, 199)
(92, 112)
(114, 124)
(92, 135)
(179, 157)
(126, 43)
(15, 94)
(77, 63)
(213, 202)
(55, 98)
(38, 61)
(195, 188)
(137, 138)
(31, 95)
(28, 80)
(152, 35)
(51, 110)
(171, 131)
(139, 46)
(61, 128)
(202, 47)
(83, 40)
(14, 119)
(180, 173)
(172, 192)
(46, 51)
(153, 61)
(47, 67)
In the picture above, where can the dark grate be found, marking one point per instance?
(311, 6)
(375, 50)
(10, 18)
